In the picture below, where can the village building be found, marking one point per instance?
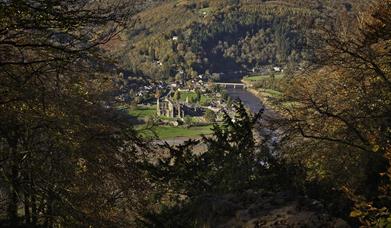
(169, 108)
(277, 69)
(174, 109)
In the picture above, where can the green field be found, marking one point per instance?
(262, 77)
(192, 95)
(142, 112)
(270, 93)
(171, 132)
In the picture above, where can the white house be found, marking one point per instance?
(277, 69)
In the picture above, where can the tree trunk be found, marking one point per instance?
(13, 202)
(34, 212)
(49, 211)
(34, 216)
(12, 210)
(27, 205)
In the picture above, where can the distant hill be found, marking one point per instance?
(184, 38)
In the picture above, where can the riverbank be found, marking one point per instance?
(267, 97)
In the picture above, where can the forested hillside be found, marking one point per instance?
(195, 37)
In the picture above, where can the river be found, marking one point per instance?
(248, 99)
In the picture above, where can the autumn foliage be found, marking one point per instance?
(343, 112)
